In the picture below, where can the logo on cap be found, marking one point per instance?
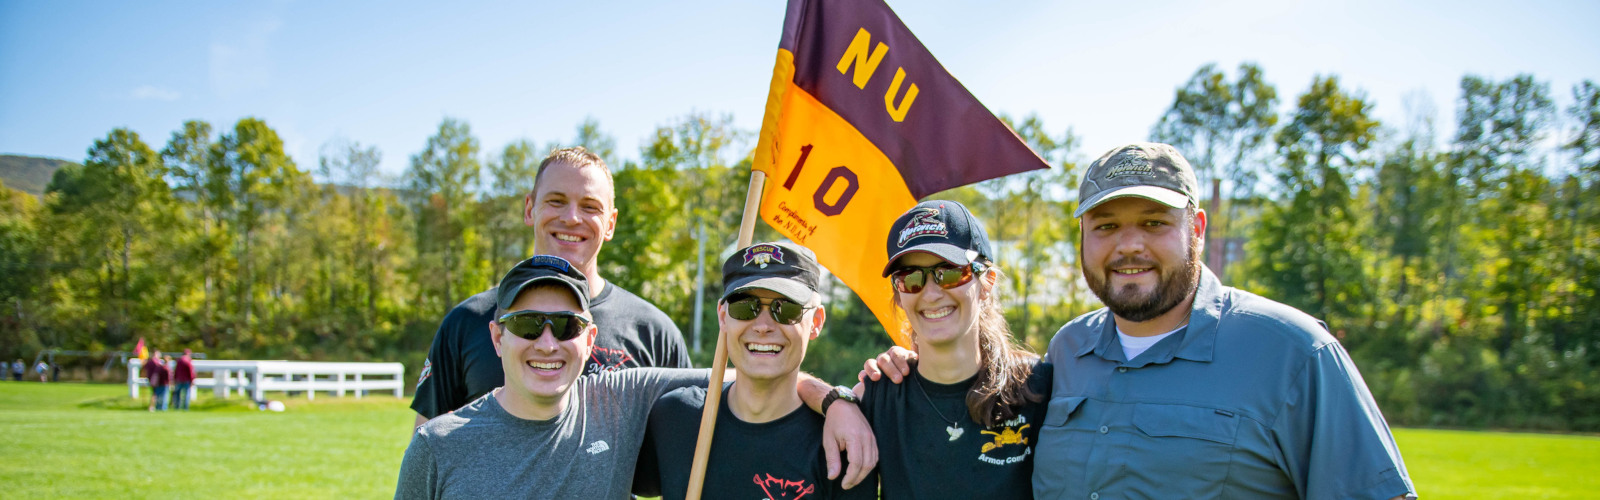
(763, 255)
(925, 222)
(1135, 163)
(552, 262)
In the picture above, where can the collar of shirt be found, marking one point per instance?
(1195, 343)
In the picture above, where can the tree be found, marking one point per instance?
(1218, 124)
(513, 175)
(1500, 126)
(194, 171)
(1305, 250)
(439, 183)
(260, 177)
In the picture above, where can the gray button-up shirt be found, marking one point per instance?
(1254, 399)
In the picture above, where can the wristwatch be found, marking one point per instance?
(839, 393)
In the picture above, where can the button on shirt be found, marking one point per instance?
(1254, 399)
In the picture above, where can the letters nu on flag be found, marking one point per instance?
(861, 122)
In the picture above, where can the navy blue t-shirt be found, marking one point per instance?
(921, 455)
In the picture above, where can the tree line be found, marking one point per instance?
(1461, 271)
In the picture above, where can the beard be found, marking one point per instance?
(1128, 304)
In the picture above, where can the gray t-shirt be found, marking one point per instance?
(588, 451)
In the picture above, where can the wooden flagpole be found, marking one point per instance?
(719, 360)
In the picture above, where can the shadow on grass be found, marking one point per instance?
(124, 403)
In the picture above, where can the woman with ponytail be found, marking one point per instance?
(962, 422)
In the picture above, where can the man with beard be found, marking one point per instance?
(1184, 388)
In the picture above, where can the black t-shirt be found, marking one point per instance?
(921, 456)
(777, 460)
(462, 364)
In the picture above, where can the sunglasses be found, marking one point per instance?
(747, 307)
(910, 279)
(530, 324)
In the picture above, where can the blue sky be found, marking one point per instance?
(385, 73)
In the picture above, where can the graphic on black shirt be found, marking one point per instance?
(1011, 434)
(605, 359)
(922, 454)
(780, 459)
(784, 488)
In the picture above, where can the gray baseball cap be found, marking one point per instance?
(1148, 170)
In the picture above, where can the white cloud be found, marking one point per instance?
(154, 93)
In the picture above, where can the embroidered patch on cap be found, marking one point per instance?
(552, 262)
(763, 255)
(1135, 163)
(924, 223)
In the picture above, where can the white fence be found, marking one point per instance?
(258, 377)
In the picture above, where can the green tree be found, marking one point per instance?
(1501, 124)
(1219, 124)
(1305, 249)
(260, 178)
(439, 184)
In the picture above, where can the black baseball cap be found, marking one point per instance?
(1148, 170)
(788, 269)
(542, 268)
(940, 227)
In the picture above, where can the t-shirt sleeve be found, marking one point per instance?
(672, 351)
(649, 384)
(1334, 441)
(441, 387)
(418, 471)
(662, 440)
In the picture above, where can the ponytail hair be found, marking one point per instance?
(1003, 365)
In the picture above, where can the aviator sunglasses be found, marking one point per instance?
(530, 324)
(910, 279)
(747, 307)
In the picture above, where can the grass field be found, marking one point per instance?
(77, 440)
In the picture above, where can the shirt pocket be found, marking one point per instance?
(1185, 444)
(1062, 409)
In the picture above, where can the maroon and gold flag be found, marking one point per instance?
(861, 122)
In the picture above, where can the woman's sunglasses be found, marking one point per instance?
(530, 324)
(747, 307)
(910, 279)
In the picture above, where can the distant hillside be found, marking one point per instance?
(29, 174)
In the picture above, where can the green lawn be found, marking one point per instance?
(78, 440)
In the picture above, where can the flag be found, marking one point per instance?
(139, 350)
(861, 121)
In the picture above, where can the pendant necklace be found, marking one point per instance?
(954, 430)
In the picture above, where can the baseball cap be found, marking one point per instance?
(1148, 170)
(940, 227)
(788, 269)
(537, 269)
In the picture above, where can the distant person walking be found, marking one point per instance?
(159, 376)
(16, 369)
(41, 368)
(182, 379)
